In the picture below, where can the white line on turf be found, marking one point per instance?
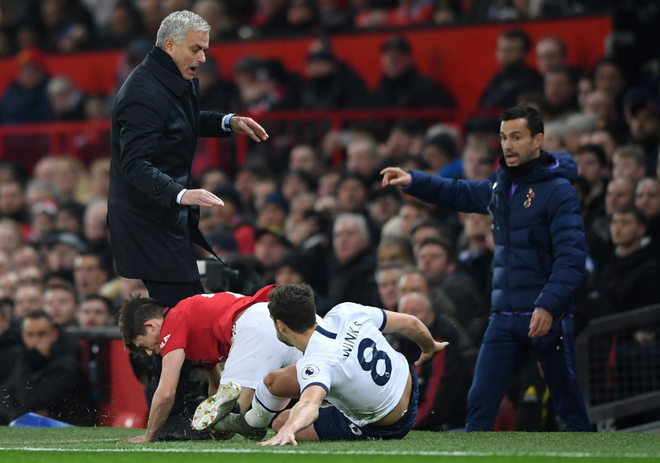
(458, 453)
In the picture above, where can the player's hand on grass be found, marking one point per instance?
(282, 438)
(135, 440)
(428, 354)
(395, 176)
(200, 198)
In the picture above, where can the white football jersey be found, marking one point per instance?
(350, 358)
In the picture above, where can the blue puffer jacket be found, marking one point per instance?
(537, 228)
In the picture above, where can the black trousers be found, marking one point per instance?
(169, 295)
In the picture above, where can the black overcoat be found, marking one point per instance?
(155, 125)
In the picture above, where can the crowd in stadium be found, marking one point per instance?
(291, 217)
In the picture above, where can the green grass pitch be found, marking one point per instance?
(101, 445)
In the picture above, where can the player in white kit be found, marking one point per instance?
(348, 362)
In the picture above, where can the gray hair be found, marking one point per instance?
(176, 25)
(357, 219)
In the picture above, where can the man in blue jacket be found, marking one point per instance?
(538, 264)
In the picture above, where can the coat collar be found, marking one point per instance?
(176, 84)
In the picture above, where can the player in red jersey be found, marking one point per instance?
(212, 329)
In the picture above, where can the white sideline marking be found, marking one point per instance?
(458, 453)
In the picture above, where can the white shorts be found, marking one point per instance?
(255, 350)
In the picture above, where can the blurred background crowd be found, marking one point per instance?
(308, 205)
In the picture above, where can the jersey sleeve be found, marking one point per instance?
(314, 371)
(174, 332)
(378, 316)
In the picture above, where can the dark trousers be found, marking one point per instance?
(502, 354)
(169, 295)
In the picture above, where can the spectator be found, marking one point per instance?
(124, 26)
(599, 241)
(600, 104)
(629, 162)
(214, 92)
(405, 139)
(362, 158)
(230, 218)
(445, 379)
(413, 281)
(630, 279)
(61, 303)
(439, 152)
(13, 203)
(592, 165)
(270, 246)
(647, 198)
(47, 378)
(25, 100)
(301, 206)
(67, 103)
(395, 249)
(68, 26)
(642, 113)
(550, 54)
(387, 277)
(477, 257)
(89, 273)
(384, 204)
(305, 157)
(577, 126)
(273, 212)
(69, 217)
(352, 272)
(96, 311)
(294, 268)
(219, 16)
(10, 236)
(437, 261)
(560, 90)
(29, 298)
(95, 226)
(401, 86)
(331, 84)
(99, 178)
(514, 77)
(296, 182)
(608, 77)
(352, 194)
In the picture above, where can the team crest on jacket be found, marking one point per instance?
(530, 196)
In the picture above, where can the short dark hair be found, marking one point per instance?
(64, 286)
(134, 313)
(596, 150)
(37, 314)
(294, 305)
(517, 34)
(106, 301)
(639, 214)
(523, 111)
(444, 244)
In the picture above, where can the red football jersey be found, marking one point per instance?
(202, 325)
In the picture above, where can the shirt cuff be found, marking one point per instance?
(225, 122)
(180, 195)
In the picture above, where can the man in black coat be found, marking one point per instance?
(47, 378)
(514, 77)
(401, 85)
(152, 211)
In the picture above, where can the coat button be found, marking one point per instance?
(156, 188)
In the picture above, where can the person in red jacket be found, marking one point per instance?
(212, 329)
